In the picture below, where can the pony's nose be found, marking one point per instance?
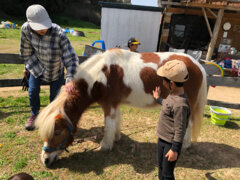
(46, 161)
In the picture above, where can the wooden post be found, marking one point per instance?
(215, 34)
(168, 4)
(159, 3)
(212, 12)
(207, 22)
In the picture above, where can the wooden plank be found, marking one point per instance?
(224, 81)
(222, 56)
(212, 12)
(211, 69)
(6, 58)
(223, 104)
(235, 1)
(193, 11)
(14, 82)
(200, 5)
(90, 50)
(10, 82)
(82, 59)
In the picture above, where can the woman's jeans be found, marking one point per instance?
(34, 90)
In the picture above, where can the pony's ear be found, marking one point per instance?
(59, 116)
(60, 122)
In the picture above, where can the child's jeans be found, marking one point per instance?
(34, 90)
(165, 167)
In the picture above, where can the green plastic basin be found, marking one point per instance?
(219, 115)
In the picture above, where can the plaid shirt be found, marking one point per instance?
(48, 54)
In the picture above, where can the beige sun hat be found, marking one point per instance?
(174, 70)
(38, 17)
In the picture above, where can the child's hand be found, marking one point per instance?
(171, 155)
(157, 92)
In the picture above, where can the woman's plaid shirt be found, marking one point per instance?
(47, 55)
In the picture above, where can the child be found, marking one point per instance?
(174, 116)
(21, 176)
(133, 44)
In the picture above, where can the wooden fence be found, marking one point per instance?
(211, 70)
(15, 59)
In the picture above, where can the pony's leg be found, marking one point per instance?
(109, 129)
(118, 124)
(187, 137)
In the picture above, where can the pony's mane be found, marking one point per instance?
(46, 119)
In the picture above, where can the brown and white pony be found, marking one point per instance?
(114, 77)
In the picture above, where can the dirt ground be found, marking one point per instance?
(226, 94)
(15, 91)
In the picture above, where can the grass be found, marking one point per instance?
(10, 38)
(11, 71)
(214, 156)
(10, 41)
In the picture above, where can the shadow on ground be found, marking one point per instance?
(209, 156)
(142, 156)
(7, 114)
(230, 124)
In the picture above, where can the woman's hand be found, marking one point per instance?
(69, 88)
(26, 73)
(157, 92)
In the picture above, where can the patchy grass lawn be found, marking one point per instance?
(10, 38)
(215, 156)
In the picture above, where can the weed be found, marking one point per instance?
(10, 135)
(4, 177)
(20, 140)
(42, 174)
(20, 164)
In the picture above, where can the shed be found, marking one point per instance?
(212, 26)
(119, 22)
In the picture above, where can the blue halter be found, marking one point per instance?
(61, 146)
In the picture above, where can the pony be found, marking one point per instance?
(112, 78)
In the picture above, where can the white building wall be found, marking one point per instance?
(118, 25)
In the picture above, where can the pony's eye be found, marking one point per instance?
(57, 133)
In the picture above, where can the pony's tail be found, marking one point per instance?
(198, 111)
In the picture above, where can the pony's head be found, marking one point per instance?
(55, 128)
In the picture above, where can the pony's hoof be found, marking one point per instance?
(118, 137)
(105, 147)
